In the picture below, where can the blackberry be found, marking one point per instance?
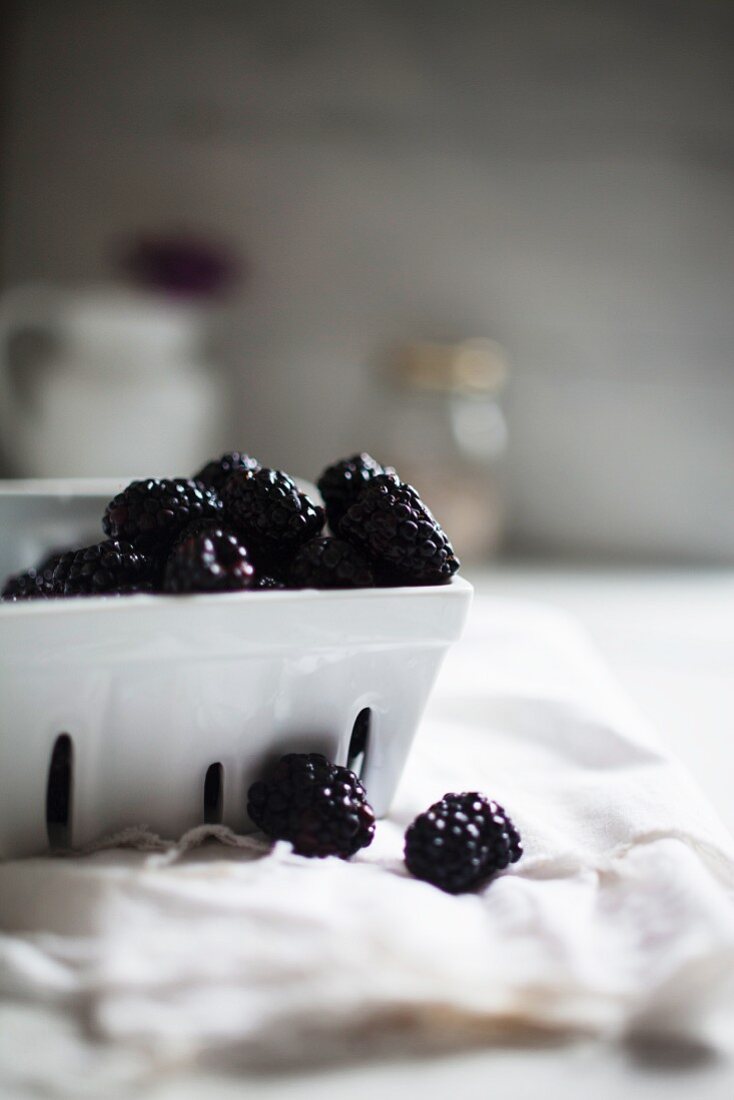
(212, 560)
(341, 483)
(48, 562)
(214, 474)
(35, 583)
(150, 513)
(46, 569)
(391, 525)
(38, 581)
(264, 583)
(200, 527)
(27, 585)
(460, 842)
(321, 808)
(270, 514)
(329, 563)
(95, 570)
(141, 588)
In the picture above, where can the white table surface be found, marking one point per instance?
(669, 637)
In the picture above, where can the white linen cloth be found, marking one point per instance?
(120, 965)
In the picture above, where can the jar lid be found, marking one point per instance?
(471, 366)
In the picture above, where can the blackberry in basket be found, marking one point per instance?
(386, 535)
(96, 570)
(264, 583)
(93, 570)
(209, 560)
(392, 526)
(460, 842)
(214, 474)
(270, 514)
(141, 588)
(152, 512)
(34, 583)
(27, 585)
(200, 527)
(321, 808)
(341, 483)
(329, 563)
(49, 561)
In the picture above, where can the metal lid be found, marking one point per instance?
(471, 366)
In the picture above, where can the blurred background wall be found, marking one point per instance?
(557, 175)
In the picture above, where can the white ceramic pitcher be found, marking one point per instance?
(121, 391)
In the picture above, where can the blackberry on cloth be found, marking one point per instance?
(329, 563)
(152, 512)
(210, 560)
(270, 514)
(460, 842)
(321, 808)
(341, 484)
(392, 526)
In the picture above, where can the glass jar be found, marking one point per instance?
(444, 431)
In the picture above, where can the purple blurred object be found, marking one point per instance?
(182, 265)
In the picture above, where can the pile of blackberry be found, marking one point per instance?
(459, 844)
(237, 525)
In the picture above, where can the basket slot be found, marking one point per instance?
(359, 742)
(213, 794)
(59, 792)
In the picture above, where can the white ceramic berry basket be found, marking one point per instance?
(161, 710)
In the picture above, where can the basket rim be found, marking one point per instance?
(457, 588)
